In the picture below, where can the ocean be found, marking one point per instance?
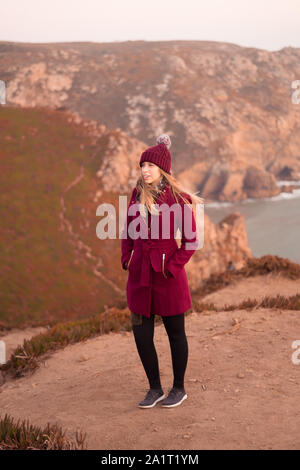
(272, 224)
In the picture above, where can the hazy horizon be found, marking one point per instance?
(266, 25)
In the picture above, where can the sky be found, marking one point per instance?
(264, 24)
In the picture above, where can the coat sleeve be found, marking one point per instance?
(182, 255)
(126, 241)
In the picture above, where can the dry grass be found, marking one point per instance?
(22, 435)
(279, 301)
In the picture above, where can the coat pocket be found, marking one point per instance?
(129, 261)
(163, 265)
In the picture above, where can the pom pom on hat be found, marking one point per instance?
(164, 138)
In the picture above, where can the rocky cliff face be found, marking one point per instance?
(225, 244)
(228, 109)
(119, 168)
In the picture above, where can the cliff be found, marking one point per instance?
(227, 108)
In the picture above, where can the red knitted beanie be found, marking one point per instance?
(159, 154)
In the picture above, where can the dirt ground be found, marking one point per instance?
(241, 382)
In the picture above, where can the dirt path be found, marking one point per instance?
(78, 244)
(242, 386)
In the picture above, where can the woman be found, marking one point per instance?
(157, 282)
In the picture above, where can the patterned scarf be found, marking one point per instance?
(158, 188)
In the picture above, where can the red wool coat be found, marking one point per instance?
(157, 282)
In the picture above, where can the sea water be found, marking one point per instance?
(272, 224)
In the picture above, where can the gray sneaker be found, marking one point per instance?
(152, 397)
(175, 398)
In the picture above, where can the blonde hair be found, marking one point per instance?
(147, 192)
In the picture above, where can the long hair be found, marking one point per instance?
(147, 192)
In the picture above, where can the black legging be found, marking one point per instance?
(143, 335)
